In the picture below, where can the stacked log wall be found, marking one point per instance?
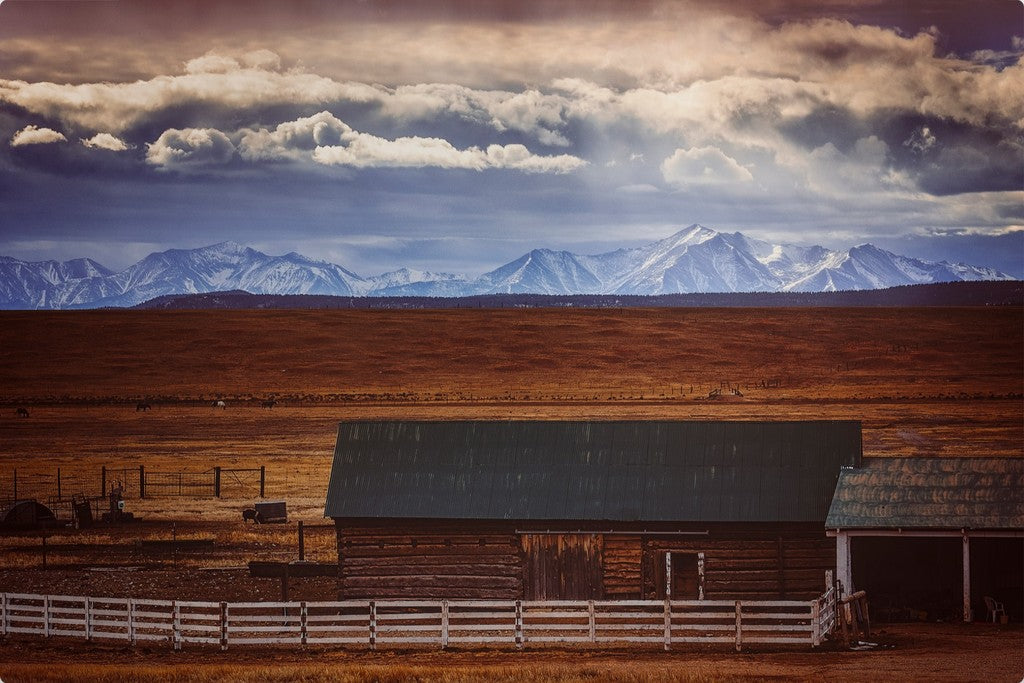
(379, 563)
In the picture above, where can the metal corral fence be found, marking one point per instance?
(440, 623)
(215, 482)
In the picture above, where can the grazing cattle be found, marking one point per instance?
(22, 412)
(268, 404)
(142, 407)
(220, 404)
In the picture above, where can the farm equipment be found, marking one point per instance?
(117, 513)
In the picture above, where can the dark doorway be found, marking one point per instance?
(562, 566)
(997, 571)
(910, 579)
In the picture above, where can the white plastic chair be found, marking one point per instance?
(993, 607)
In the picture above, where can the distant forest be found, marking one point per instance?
(942, 294)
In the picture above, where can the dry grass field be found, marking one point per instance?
(924, 382)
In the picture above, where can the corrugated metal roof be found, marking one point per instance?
(936, 493)
(585, 470)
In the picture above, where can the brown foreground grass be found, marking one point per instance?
(912, 652)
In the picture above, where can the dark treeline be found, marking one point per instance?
(942, 294)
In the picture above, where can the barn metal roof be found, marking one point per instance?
(586, 470)
(934, 493)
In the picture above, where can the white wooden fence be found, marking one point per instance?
(442, 623)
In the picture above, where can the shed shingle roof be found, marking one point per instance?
(585, 470)
(936, 493)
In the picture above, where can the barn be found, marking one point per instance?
(931, 538)
(543, 510)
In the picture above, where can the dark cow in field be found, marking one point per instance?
(21, 412)
(268, 404)
(142, 407)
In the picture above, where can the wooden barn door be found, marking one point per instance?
(562, 566)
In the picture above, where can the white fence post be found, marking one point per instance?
(519, 624)
(739, 628)
(224, 626)
(444, 624)
(176, 624)
(591, 621)
(373, 625)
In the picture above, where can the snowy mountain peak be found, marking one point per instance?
(695, 259)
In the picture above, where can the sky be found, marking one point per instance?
(457, 135)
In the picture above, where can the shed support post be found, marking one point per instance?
(844, 564)
(58, 485)
(263, 480)
(103, 480)
(142, 481)
(968, 615)
(216, 482)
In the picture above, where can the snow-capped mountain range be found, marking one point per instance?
(696, 259)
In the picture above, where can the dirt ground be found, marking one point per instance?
(924, 382)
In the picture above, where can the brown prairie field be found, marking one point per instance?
(924, 382)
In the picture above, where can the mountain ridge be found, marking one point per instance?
(695, 259)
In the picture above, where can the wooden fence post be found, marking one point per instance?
(131, 621)
(3, 615)
(739, 627)
(373, 625)
(142, 481)
(591, 621)
(176, 624)
(303, 614)
(223, 626)
(46, 616)
(263, 480)
(668, 625)
(815, 623)
(88, 618)
(216, 482)
(302, 544)
(103, 481)
(444, 623)
(519, 624)
(58, 485)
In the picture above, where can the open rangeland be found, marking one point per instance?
(924, 382)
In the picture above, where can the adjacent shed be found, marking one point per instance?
(933, 536)
(584, 509)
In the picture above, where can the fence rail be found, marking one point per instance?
(441, 623)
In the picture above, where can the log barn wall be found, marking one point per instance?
(482, 559)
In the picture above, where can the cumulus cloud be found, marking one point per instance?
(190, 147)
(370, 151)
(106, 141)
(703, 167)
(34, 135)
(325, 139)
